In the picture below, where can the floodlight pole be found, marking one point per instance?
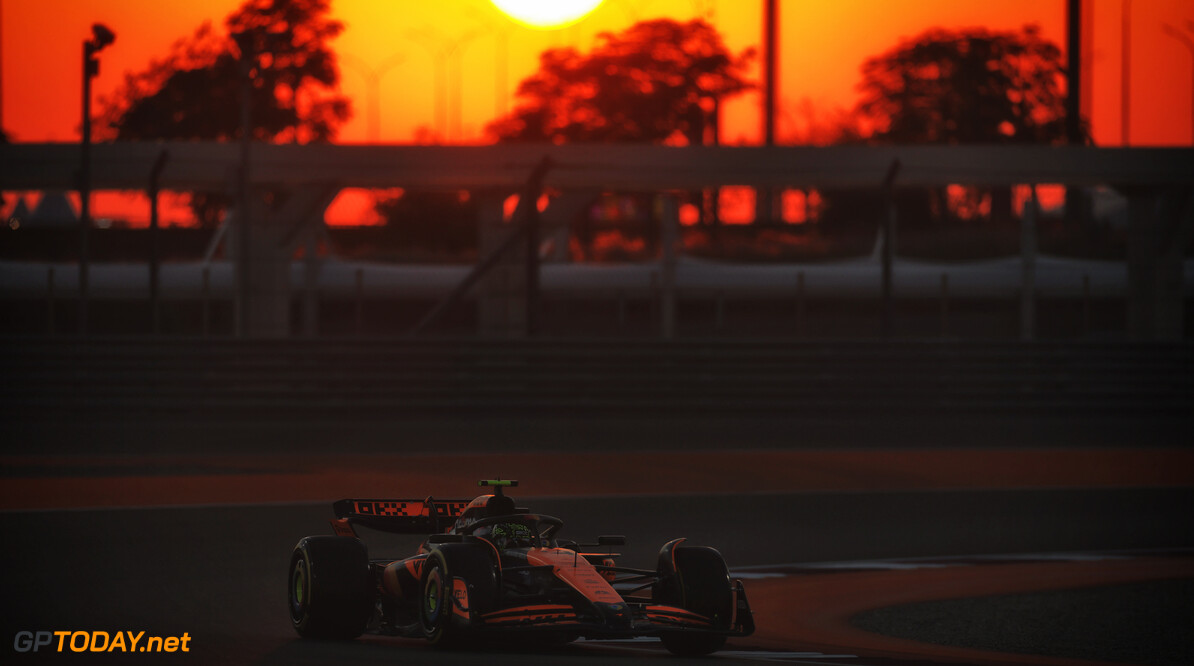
(101, 38)
(243, 264)
(90, 68)
(770, 42)
(1074, 92)
(1075, 197)
(765, 195)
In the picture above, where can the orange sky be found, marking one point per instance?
(824, 42)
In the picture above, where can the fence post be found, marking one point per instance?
(1028, 273)
(310, 296)
(800, 303)
(669, 237)
(1085, 305)
(50, 301)
(944, 305)
(360, 300)
(888, 227)
(655, 297)
(205, 300)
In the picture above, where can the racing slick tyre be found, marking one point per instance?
(330, 591)
(472, 563)
(700, 584)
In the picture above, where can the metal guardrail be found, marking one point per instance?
(374, 378)
(988, 279)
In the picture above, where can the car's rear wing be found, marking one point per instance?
(400, 516)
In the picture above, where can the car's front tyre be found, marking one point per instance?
(329, 589)
(700, 583)
(471, 563)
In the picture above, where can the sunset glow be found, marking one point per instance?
(547, 14)
(441, 72)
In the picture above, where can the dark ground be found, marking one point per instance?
(1139, 623)
(216, 572)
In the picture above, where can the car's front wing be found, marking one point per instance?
(643, 619)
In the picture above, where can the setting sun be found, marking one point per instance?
(547, 14)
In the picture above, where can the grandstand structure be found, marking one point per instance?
(508, 279)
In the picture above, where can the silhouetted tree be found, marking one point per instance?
(970, 86)
(194, 93)
(657, 81)
(966, 86)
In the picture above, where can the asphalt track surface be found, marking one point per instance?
(145, 535)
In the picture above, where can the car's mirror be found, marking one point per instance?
(611, 540)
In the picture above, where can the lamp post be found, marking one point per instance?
(101, 38)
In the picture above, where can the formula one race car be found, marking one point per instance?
(490, 569)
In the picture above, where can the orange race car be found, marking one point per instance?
(491, 569)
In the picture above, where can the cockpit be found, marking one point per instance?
(498, 520)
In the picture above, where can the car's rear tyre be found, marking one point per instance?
(700, 584)
(329, 587)
(472, 563)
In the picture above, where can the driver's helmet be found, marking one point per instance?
(508, 535)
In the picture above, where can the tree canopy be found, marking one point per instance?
(657, 81)
(955, 87)
(194, 93)
(966, 86)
